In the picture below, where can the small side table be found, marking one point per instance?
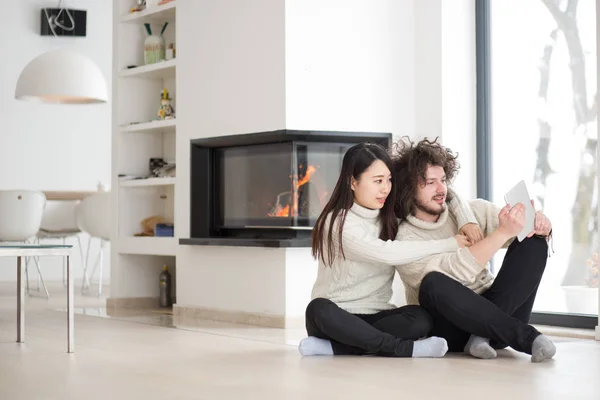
(35, 250)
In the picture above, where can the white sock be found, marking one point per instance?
(430, 347)
(542, 349)
(314, 346)
(479, 347)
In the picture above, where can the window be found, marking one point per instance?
(537, 122)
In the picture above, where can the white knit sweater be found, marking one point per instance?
(362, 282)
(458, 264)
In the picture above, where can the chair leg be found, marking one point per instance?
(81, 258)
(36, 240)
(27, 259)
(64, 266)
(27, 275)
(101, 267)
(85, 283)
(98, 264)
(39, 278)
(37, 266)
(80, 249)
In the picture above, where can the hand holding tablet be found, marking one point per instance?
(519, 194)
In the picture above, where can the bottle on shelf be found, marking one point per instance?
(165, 287)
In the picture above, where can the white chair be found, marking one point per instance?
(93, 217)
(60, 222)
(21, 213)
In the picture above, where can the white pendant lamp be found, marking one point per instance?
(62, 77)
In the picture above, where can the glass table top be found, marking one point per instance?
(35, 246)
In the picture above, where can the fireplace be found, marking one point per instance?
(265, 189)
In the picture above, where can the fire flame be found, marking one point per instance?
(309, 172)
(285, 211)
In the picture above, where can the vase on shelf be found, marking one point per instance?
(154, 45)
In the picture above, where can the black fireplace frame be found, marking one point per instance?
(202, 194)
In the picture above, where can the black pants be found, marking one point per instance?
(389, 333)
(501, 313)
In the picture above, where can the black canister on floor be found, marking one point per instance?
(165, 287)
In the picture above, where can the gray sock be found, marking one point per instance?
(430, 347)
(314, 346)
(542, 349)
(479, 347)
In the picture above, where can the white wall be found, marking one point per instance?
(445, 81)
(427, 60)
(52, 147)
(230, 80)
(349, 65)
(458, 90)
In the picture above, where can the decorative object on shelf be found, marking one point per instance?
(149, 224)
(141, 6)
(170, 52)
(166, 109)
(62, 77)
(125, 177)
(166, 171)
(154, 45)
(164, 230)
(159, 168)
(161, 2)
(165, 287)
(155, 164)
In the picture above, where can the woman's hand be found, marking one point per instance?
(473, 232)
(462, 241)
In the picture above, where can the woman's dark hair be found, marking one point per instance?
(410, 163)
(357, 159)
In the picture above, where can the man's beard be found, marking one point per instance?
(430, 210)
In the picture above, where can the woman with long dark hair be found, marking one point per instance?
(354, 242)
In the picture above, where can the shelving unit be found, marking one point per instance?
(138, 136)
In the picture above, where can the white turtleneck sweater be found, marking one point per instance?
(458, 264)
(361, 283)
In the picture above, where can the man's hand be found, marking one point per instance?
(462, 241)
(512, 220)
(543, 226)
(473, 232)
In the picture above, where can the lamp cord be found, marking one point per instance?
(53, 21)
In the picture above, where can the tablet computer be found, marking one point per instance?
(519, 194)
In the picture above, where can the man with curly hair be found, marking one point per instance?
(472, 310)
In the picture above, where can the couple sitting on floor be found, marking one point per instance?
(389, 215)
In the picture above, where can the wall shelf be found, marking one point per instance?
(147, 245)
(147, 182)
(160, 70)
(163, 126)
(152, 15)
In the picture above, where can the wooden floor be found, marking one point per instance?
(142, 356)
